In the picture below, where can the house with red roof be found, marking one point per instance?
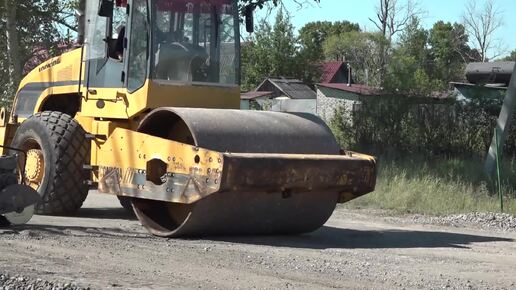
(336, 88)
(335, 72)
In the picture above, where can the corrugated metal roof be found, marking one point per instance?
(293, 88)
(354, 88)
(254, 95)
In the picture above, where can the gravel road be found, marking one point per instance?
(104, 247)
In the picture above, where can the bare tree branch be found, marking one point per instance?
(481, 23)
(393, 17)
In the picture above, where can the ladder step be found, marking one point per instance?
(95, 136)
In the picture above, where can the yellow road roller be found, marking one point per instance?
(147, 108)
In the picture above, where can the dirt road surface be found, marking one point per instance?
(104, 247)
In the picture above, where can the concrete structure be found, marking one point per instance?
(247, 100)
(294, 106)
(332, 96)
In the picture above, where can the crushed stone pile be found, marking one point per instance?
(491, 221)
(8, 282)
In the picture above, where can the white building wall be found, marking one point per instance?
(328, 100)
(294, 106)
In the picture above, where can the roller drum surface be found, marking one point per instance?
(240, 131)
(234, 212)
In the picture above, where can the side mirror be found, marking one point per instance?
(106, 8)
(249, 18)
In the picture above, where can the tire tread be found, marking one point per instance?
(68, 190)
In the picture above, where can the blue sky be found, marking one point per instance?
(359, 11)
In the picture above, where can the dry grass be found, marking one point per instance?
(443, 186)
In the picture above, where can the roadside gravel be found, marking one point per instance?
(8, 282)
(491, 221)
(103, 247)
(488, 221)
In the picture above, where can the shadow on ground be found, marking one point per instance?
(105, 213)
(330, 237)
(39, 231)
(96, 229)
(324, 238)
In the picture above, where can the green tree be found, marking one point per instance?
(28, 28)
(272, 52)
(363, 50)
(413, 42)
(407, 72)
(14, 62)
(314, 34)
(406, 76)
(392, 17)
(426, 61)
(449, 52)
(511, 57)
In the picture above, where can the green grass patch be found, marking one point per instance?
(438, 186)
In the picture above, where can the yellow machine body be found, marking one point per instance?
(61, 79)
(131, 155)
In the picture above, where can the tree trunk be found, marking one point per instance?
(81, 25)
(13, 44)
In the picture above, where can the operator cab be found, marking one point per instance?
(129, 42)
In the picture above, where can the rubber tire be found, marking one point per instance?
(65, 151)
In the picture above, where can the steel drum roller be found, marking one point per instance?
(234, 212)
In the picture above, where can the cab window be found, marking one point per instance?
(138, 43)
